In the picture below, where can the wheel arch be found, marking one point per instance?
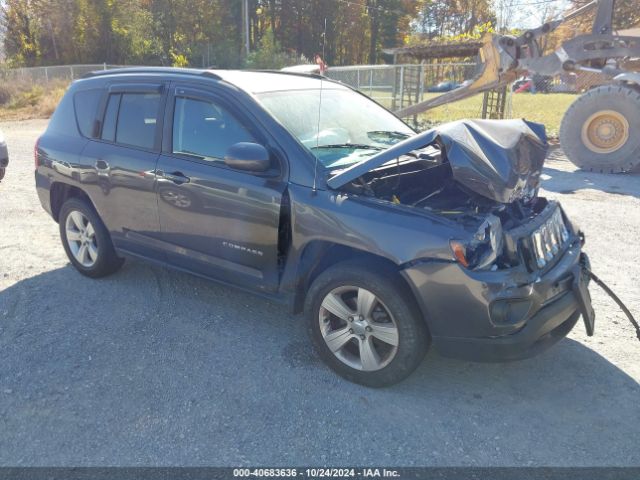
(318, 255)
(60, 192)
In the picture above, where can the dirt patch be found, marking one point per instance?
(26, 101)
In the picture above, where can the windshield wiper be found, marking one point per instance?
(355, 146)
(389, 133)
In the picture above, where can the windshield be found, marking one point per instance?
(352, 127)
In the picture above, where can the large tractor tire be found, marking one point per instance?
(601, 130)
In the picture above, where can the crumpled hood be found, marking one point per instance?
(498, 159)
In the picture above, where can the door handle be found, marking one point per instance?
(175, 177)
(101, 165)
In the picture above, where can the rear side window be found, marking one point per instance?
(85, 104)
(63, 120)
(131, 119)
(137, 119)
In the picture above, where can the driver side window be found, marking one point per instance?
(205, 130)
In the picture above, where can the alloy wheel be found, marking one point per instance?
(81, 239)
(358, 328)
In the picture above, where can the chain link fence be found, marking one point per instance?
(398, 86)
(46, 75)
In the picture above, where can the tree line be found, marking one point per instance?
(210, 32)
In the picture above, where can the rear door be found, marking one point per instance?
(123, 158)
(216, 221)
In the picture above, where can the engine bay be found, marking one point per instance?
(424, 179)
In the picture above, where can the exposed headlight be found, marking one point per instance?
(483, 250)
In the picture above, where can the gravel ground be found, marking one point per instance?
(155, 367)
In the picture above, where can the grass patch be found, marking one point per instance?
(26, 101)
(545, 108)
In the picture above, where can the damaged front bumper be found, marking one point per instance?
(498, 315)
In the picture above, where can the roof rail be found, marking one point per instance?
(295, 74)
(142, 70)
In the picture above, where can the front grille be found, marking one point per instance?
(548, 239)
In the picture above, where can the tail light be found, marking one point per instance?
(35, 154)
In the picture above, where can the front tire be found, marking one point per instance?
(86, 240)
(365, 325)
(597, 132)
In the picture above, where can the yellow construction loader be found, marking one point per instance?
(601, 129)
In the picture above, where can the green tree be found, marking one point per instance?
(269, 54)
(207, 32)
(21, 25)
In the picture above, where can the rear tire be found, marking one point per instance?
(376, 332)
(599, 130)
(86, 240)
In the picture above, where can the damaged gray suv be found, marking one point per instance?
(309, 193)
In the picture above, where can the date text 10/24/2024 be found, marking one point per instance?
(316, 472)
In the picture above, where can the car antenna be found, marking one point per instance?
(315, 168)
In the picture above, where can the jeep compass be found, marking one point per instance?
(309, 193)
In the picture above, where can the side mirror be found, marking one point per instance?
(249, 157)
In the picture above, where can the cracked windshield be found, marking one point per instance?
(351, 128)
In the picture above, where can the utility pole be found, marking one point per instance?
(245, 25)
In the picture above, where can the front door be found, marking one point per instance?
(216, 221)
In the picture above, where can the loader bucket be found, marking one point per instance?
(491, 74)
